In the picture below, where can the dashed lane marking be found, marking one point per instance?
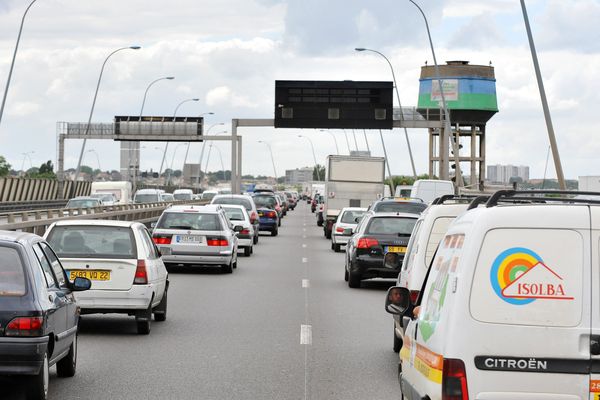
(305, 283)
(306, 334)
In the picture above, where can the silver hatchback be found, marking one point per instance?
(196, 235)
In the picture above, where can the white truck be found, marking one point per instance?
(121, 190)
(589, 183)
(351, 182)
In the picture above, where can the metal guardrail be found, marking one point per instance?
(37, 221)
(31, 205)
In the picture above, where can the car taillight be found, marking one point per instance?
(141, 275)
(454, 380)
(271, 214)
(25, 326)
(245, 232)
(365, 243)
(340, 230)
(414, 295)
(278, 208)
(216, 241)
(162, 239)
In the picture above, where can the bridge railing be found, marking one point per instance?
(37, 221)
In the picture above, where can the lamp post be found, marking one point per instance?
(412, 162)
(209, 150)
(337, 150)
(87, 128)
(272, 159)
(173, 161)
(134, 146)
(347, 141)
(447, 128)
(366, 140)
(202, 153)
(187, 150)
(314, 156)
(26, 155)
(167, 144)
(97, 158)
(221, 158)
(12, 64)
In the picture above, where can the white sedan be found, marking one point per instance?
(238, 215)
(347, 219)
(125, 266)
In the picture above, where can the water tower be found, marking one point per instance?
(470, 92)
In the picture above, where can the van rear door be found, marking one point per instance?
(595, 336)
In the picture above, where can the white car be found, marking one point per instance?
(125, 266)
(238, 215)
(347, 219)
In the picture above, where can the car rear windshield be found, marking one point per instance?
(189, 221)
(265, 201)
(234, 214)
(12, 276)
(88, 241)
(396, 206)
(391, 225)
(208, 195)
(350, 217)
(147, 198)
(235, 201)
(182, 196)
(82, 203)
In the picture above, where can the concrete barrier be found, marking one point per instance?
(13, 189)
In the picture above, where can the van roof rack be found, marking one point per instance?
(458, 198)
(477, 201)
(546, 196)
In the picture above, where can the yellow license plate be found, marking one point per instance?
(91, 274)
(396, 249)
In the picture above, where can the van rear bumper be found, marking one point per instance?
(22, 356)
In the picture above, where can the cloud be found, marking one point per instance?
(223, 95)
(23, 109)
(469, 8)
(480, 32)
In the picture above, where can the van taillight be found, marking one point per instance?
(414, 295)
(162, 239)
(25, 326)
(454, 380)
(216, 241)
(366, 243)
(245, 232)
(339, 230)
(141, 275)
(271, 214)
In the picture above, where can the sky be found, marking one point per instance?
(229, 53)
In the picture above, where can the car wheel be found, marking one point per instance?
(255, 241)
(397, 342)
(227, 268)
(279, 222)
(274, 232)
(337, 248)
(247, 251)
(143, 325)
(354, 280)
(319, 223)
(332, 246)
(37, 385)
(345, 274)
(66, 367)
(252, 250)
(234, 265)
(160, 312)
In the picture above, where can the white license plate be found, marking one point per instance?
(190, 239)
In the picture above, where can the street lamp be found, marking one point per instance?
(221, 158)
(187, 150)
(12, 64)
(337, 150)
(97, 158)
(272, 159)
(134, 146)
(412, 162)
(167, 144)
(447, 128)
(314, 156)
(202, 153)
(26, 155)
(87, 128)
(209, 150)
(347, 141)
(173, 161)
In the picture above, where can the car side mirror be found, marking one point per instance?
(397, 300)
(348, 232)
(80, 284)
(238, 228)
(152, 225)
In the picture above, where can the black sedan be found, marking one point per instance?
(374, 237)
(38, 313)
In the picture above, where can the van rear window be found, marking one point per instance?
(12, 276)
(88, 241)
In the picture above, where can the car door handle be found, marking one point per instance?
(595, 345)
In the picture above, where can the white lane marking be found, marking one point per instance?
(303, 236)
(304, 225)
(304, 259)
(305, 283)
(304, 245)
(306, 334)
(303, 229)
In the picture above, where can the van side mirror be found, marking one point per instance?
(397, 300)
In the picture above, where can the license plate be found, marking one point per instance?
(91, 274)
(190, 239)
(396, 249)
(260, 214)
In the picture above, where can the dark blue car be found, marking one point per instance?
(268, 217)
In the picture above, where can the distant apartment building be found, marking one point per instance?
(298, 175)
(503, 173)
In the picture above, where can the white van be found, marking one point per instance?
(429, 230)
(148, 196)
(120, 189)
(511, 306)
(430, 189)
(183, 194)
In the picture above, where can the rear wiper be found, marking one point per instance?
(180, 227)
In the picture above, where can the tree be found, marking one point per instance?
(4, 166)
(319, 173)
(86, 170)
(46, 167)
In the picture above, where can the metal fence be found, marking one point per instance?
(14, 189)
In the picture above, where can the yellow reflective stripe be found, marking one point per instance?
(434, 375)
